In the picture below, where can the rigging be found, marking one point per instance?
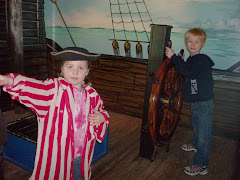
(130, 15)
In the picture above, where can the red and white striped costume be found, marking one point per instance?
(53, 102)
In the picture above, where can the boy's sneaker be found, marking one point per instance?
(188, 147)
(194, 170)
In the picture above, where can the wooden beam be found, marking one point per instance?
(160, 35)
(16, 35)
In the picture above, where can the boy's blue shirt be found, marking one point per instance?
(197, 71)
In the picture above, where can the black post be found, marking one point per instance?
(160, 35)
(16, 36)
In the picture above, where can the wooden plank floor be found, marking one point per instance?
(123, 161)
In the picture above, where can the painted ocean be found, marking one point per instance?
(222, 47)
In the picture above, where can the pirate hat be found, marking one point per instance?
(75, 54)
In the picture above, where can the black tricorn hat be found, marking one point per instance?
(75, 54)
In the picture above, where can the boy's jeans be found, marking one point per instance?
(202, 126)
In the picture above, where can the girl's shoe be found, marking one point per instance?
(188, 147)
(194, 170)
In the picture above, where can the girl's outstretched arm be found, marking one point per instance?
(34, 94)
(7, 81)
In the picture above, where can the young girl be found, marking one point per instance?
(70, 116)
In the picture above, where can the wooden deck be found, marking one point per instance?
(123, 161)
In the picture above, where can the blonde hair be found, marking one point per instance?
(196, 32)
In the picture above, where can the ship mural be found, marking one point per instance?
(133, 76)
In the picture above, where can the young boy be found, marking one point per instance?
(198, 90)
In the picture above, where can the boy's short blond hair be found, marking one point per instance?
(196, 32)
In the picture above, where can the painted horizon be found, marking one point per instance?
(219, 18)
(215, 14)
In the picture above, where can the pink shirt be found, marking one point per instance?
(80, 121)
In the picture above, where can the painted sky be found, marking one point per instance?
(222, 15)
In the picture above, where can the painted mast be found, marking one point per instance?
(55, 2)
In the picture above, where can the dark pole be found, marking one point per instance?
(55, 2)
(16, 35)
(160, 35)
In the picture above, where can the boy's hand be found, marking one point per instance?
(96, 118)
(169, 52)
(181, 53)
(6, 81)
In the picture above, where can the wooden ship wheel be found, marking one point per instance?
(165, 104)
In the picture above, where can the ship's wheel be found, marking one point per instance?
(165, 103)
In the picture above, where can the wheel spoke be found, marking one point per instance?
(175, 79)
(165, 103)
(169, 82)
(164, 121)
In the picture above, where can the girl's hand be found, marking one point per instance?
(169, 52)
(4, 80)
(96, 118)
